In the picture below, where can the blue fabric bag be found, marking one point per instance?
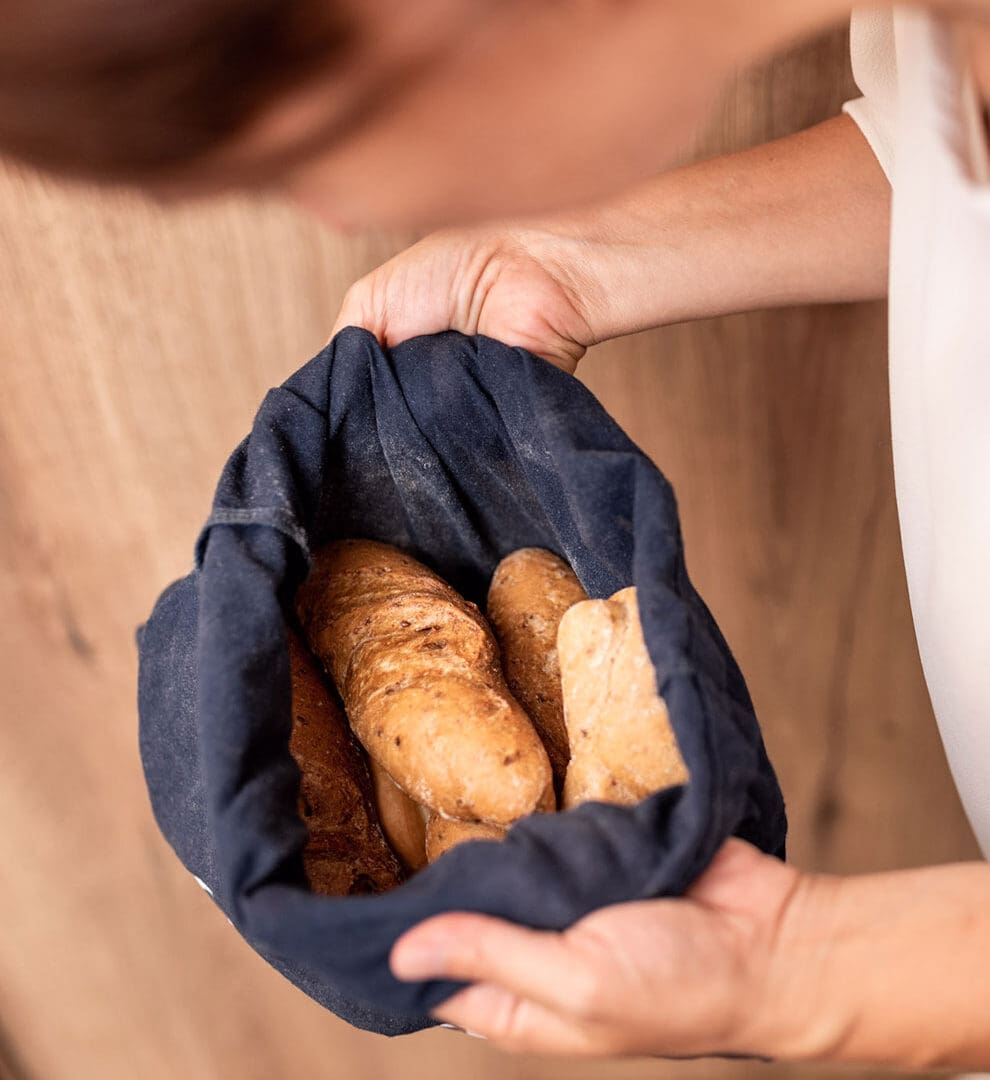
(458, 450)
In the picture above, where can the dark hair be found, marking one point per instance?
(134, 89)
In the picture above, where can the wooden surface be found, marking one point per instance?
(136, 344)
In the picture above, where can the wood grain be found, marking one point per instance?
(137, 343)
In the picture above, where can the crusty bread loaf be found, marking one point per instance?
(418, 670)
(530, 591)
(403, 821)
(622, 745)
(345, 852)
(443, 833)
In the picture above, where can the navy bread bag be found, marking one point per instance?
(458, 450)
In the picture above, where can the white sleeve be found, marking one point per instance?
(874, 60)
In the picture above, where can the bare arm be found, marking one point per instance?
(889, 968)
(805, 219)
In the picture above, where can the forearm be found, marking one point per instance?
(801, 220)
(887, 968)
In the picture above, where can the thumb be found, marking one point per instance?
(532, 964)
(356, 311)
(741, 878)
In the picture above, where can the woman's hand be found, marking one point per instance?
(757, 958)
(804, 219)
(672, 977)
(511, 283)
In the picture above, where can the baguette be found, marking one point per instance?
(403, 821)
(622, 745)
(530, 591)
(345, 850)
(418, 670)
(442, 834)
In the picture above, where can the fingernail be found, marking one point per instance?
(463, 1030)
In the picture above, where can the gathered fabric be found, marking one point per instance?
(458, 450)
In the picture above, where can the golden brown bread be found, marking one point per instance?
(530, 591)
(345, 852)
(403, 821)
(418, 669)
(622, 745)
(443, 833)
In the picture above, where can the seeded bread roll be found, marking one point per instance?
(403, 821)
(530, 591)
(418, 670)
(622, 745)
(345, 852)
(442, 834)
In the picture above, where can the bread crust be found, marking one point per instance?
(529, 593)
(418, 669)
(442, 834)
(403, 821)
(346, 852)
(623, 747)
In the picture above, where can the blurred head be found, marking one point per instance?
(374, 112)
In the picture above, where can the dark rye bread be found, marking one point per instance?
(346, 852)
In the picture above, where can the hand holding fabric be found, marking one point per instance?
(757, 958)
(672, 977)
(508, 283)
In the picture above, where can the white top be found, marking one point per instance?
(920, 116)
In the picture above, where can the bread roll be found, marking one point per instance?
(345, 852)
(530, 591)
(622, 745)
(442, 834)
(418, 669)
(403, 821)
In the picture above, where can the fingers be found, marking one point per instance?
(519, 1025)
(355, 311)
(530, 964)
(392, 314)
